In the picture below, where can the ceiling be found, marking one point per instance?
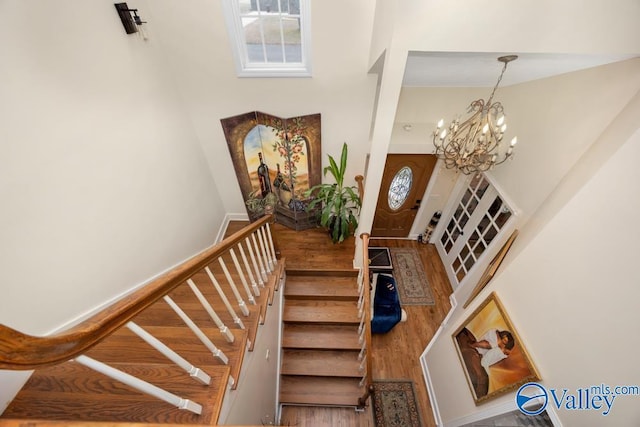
(473, 69)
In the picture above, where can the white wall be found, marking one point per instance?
(198, 50)
(548, 116)
(549, 290)
(104, 184)
(571, 289)
(255, 400)
(102, 180)
(459, 26)
(570, 26)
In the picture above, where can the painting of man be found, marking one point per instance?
(492, 355)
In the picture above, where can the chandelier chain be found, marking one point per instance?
(504, 68)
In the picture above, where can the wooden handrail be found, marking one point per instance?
(367, 313)
(359, 179)
(19, 351)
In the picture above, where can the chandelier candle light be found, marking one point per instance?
(474, 145)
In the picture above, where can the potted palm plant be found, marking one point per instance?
(339, 203)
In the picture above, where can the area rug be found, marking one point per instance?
(413, 286)
(394, 404)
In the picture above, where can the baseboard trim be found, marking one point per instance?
(225, 223)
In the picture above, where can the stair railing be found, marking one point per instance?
(364, 330)
(359, 180)
(20, 351)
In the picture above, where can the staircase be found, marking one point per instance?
(321, 362)
(324, 339)
(72, 392)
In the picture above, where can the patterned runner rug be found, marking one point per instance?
(413, 287)
(394, 404)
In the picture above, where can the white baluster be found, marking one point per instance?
(263, 271)
(363, 381)
(214, 316)
(255, 264)
(362, 352)
(224, 299)
(234, 289)
(196, 330)
(194, 372)
(254, 285)
(267, 248)
(245, 285)
(363, 364)
(140, 385)
(361, 328)
(273, 249)
(267, 261)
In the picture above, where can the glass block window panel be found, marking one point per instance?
(466, 197)
(464, 252)
(495, 207)
(503, 216)
(270, 38)
(463, 220)
(479, 249)
(448, 246)
(482, 187)
(399, 188)
(490, 234)
(483, 224)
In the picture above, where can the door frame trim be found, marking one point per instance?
(413, 233)
(503, 234)
(435, 172)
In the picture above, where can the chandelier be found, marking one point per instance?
(475, 145)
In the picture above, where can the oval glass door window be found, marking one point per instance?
(400, 187)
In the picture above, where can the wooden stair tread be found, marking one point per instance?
(320, 390)
(124, 345)
(314, 287)
(160, 314)
(341, 312)
(329, 271)
(320, 336)
(330, 363)
(71, 391)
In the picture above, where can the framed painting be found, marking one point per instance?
(275, 159)
(493, 356)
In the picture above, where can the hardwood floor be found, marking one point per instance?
(395, 354)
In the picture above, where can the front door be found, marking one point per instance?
(403, 185)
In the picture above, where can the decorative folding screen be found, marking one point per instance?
(281, 156)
